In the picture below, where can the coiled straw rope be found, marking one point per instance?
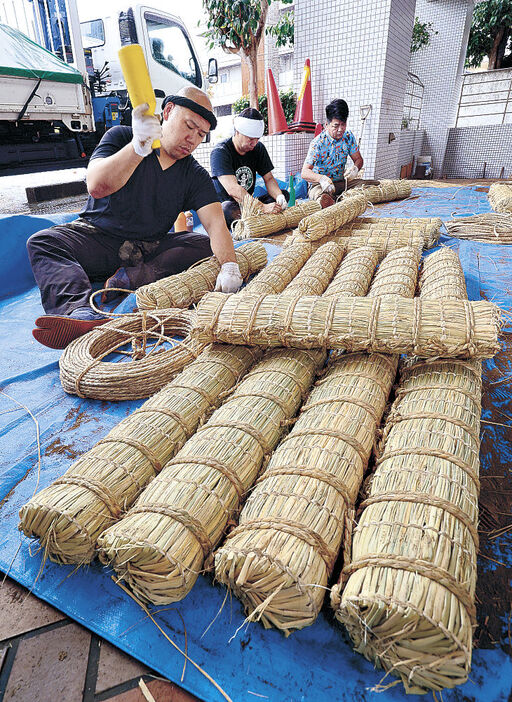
(500, 197)
(409, 598)
(187, 288)
(488, 228)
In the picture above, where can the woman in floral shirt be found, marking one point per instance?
(324, 167)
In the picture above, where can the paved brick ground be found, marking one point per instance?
(46, 657)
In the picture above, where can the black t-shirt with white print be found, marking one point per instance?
(225, 160)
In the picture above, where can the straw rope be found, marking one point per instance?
(187, 288)
(260, 224)
(500, 197)
(487, 228)
(409, 601)
(427, 328)
(386, 191)
(326, 221)
(68, 516)
(160, 546)
(280, 557)
(85, 372)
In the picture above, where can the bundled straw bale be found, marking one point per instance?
(69, 515)
(84, 372)
(386, 191)
(162, 543)
(315, 275)
(280, 557)
(354, 275)
(397, 274)
(430, 227)
(500, 197)
(261, 224)
(187, 288)
(409, 601)
(489, 228)
(280, 271)
(451, 328)
(326, 221)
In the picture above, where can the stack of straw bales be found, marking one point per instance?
(500, 197)
(386, 191)
(258, 225)
(409, 601)
(84, 372)
(68, 516)
(280, 557)
(187, 288)
(451, 328)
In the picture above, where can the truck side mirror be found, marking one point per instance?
(213, 71)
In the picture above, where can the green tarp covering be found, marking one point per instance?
(20, 56)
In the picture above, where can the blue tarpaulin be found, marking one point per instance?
(312, 665)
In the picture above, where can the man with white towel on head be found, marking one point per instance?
(235, 163)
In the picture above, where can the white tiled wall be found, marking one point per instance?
(440, 66)
(359, 51)
(409, 147)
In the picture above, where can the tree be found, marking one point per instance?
(288, 101)
(491, 34)
(283, 30)
(237, 26)
(421, 35)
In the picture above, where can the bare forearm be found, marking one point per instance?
(212, 219)
(108, 175)
(309, 175)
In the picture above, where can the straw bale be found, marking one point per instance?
(317, 272)
(187, 288)
(280, 271)
(279, 559)
(386, 191)
(488, 228)
(84, 372)
(264, 224)
(326, 221)
(427, 328)
(409, 601)
(161, 545)
(397, 274)
(69, 515)
(430, 227)
(500, 197)
(354, 274)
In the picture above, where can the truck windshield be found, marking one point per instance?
(171, 48)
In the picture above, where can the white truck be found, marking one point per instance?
(61, 84)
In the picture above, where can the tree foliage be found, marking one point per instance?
(288, 101)
(237, 26)
(491, 34)
(422, 33)
(283, 31)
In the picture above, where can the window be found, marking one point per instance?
(93, 33)
(171, 48)
(224, 77)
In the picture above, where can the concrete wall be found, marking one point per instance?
(359, 51)
(469, 148)
(440, 67)
(486, 98)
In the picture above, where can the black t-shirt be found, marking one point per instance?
(147, 206)
(225, 160)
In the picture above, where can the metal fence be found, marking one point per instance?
(485, 98)
(413, 102)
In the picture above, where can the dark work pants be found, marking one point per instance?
(231, 208)
(65, 259)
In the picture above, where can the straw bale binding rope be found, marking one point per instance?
(427, 328)
(487, 228)
(187, 288)
(500, 197)
(409, 597)
(280, 557)
(259, 224)
(68, 516)
(386, 191)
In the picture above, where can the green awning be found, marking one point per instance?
(20, 56)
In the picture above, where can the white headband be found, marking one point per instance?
(252, 128)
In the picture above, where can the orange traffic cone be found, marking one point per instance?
(303, 118)
(319, 129)
(276, 119)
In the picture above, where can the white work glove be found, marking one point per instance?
(281, 200)
(146, 129)
(326, 184)
(229, 279)
(351, 172)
